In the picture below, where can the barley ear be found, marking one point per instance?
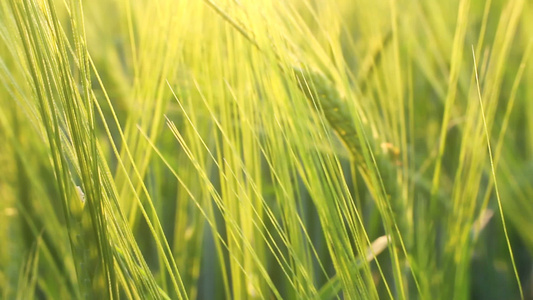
(325, 97)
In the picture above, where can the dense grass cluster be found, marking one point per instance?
(302, 149)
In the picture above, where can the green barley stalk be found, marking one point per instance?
(107, 260)
(326, 100)
(378, 169)
(379, 172)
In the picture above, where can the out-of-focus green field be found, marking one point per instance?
(241, 149)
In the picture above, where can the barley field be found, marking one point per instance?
(266, 149)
